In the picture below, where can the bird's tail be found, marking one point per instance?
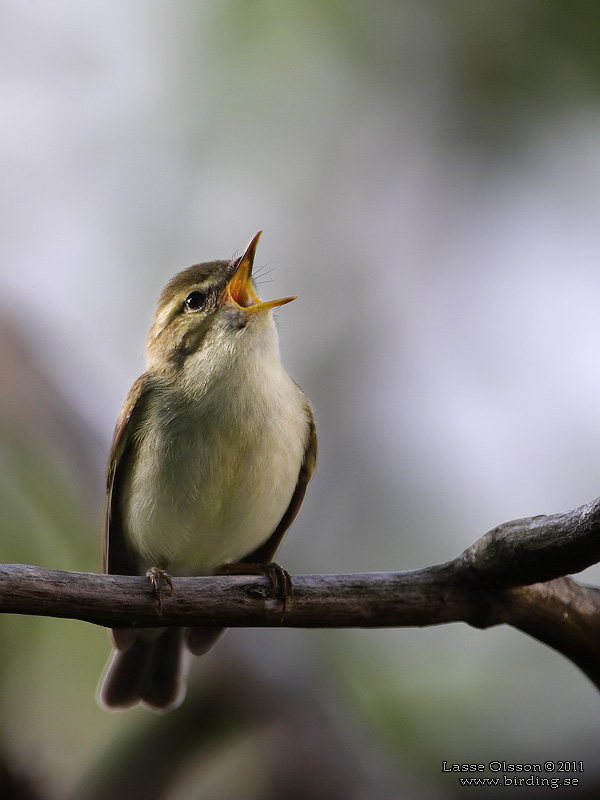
(147, 667)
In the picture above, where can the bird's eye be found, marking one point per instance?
(194, 301)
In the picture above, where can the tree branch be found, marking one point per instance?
(512, 575)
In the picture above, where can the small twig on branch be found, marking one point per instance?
(540, 548)
(512, 575)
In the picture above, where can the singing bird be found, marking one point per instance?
(211, 457)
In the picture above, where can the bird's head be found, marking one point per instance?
(209, 312)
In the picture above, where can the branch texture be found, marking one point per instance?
(513, 575)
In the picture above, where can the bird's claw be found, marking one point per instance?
(281, 587)
(155, 575)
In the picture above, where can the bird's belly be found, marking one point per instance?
(204, 501)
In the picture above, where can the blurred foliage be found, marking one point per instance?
(512, 61)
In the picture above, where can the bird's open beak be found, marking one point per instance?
(240, 290)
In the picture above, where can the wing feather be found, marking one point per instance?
(117, 556)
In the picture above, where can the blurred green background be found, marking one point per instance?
(427, 177)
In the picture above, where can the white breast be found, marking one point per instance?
(215, 475)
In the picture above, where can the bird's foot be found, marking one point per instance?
(155, 575)
(281, 581)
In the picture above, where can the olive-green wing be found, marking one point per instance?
(265, 552)
(117, 556)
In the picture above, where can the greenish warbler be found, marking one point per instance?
(211, 457)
